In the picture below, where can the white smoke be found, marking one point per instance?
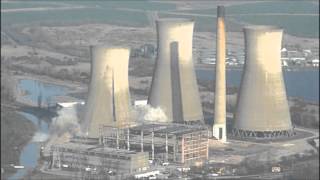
(65, 125)
(40, 137)
(66, 121)
(146, 113)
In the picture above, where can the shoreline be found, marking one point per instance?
(29, 129)
(21, 97)
(75, 87)
(46, 79)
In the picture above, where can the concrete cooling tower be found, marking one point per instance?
(174, 86)
(262, 107)
(108, 101)
(219, 127)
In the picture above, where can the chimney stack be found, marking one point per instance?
(219, 126)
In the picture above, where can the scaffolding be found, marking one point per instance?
(179, 143)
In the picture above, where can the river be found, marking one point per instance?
(303, 84)
(299, 83)
(31, 152)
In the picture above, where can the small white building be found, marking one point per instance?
(284, 63)
(140, 102)
(69, 104)
(307, 52)
(209, 61)
(66, 102)
(315, 63)
(298, 59)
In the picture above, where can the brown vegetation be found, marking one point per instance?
(16, 131)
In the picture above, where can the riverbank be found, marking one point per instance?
(21, 95)
(69, 84)
(16, 132)
(17, 129)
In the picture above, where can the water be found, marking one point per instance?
(292, 24)
(293, 7)
(134, 13)
(35, 88)
(74, 16)
(111, 12)
(302, 83)
(31, 152)
(273, 13)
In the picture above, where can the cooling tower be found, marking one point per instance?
(262, 107)
(219, 127)
(174, 86)
(108, 101)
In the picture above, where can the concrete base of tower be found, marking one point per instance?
(219, 131)
(263, 134)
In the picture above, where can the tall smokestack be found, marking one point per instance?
(219, 127)
(108, 101)
(262, 107)
(174, 76)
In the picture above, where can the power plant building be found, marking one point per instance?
(94, 158)
(108, 101)
(219, 127)
(178, 143)
(262, 107)
(174, 86)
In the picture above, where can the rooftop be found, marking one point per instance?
(173, 129)
(94, 148)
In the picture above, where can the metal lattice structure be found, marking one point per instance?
(179, 143)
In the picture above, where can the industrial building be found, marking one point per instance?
(262, 107)
(174, 86)
(219, 129)
(178, 143)
(108, 101)
(95, 158)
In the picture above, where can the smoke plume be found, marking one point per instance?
(40, 137)
(65, 125)
(66, 121)
(146, 113)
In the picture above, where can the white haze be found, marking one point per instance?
(65, 125)
(146, 113)
(40, 137)
(66, 121)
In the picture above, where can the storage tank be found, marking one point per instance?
(262, 107)
(108, 101)
(174, 86)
